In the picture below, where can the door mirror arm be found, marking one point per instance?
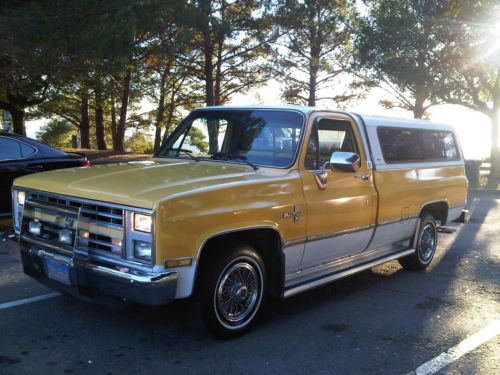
(321, 178)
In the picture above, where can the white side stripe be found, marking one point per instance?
(28, 300)
(454, 353)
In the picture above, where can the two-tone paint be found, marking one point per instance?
(357, 220)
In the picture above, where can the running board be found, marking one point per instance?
(295, 289)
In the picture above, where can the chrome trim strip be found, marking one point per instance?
(394, 221)
(99, 242)
(296, 241)
(45, 244)
(339, 233)
(21, 141)
(53, 207)
(158, 278)
(148, 278)
(104, 214)
(402, 167)
(101, 223)
(295, 290)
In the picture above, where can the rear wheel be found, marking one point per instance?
(231, 291)
(426, 245)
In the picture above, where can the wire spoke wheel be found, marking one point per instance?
(238, 292)
(232, 290)
(427, 243)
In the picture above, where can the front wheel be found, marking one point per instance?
(232, 291)
(426, 245)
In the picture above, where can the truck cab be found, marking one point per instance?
(241, 203)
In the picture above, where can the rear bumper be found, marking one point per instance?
(93, 283)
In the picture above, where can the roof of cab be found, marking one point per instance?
(370, 120)
(298, 108)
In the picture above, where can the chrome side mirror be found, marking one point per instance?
(345, 161)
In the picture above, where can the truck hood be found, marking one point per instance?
(137, 184)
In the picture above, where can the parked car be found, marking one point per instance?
(20, 156)
(243, 202)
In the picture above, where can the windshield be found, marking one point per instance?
(258, 137)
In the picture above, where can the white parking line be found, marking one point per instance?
(454, 353)
(28, 300)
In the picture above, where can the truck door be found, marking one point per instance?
(341, 211)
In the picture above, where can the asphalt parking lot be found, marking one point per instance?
(382, 321)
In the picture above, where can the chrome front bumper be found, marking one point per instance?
(93, 282)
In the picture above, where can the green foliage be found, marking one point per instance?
(57, 133)
(233, 39)
(400, 46)
(198, 140)
(313, 50)
(139, 142)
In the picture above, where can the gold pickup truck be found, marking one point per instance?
(240, 203)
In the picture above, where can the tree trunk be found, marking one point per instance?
(99, 122)
(84, 122)
(209, 67)
(218, 74)
(495, 149)
(114, 136)
(168, 123)
(160, 112)
(418, 109)
(118, 144)
(17, 116)
(313, 76)
(421, 94)
(313, 65)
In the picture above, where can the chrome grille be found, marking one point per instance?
(98, 229)
(100, 242)
(89, 211)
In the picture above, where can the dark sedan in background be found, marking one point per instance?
(20, 156)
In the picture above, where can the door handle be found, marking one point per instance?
(362, 176)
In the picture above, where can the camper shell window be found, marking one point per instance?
(402, 145)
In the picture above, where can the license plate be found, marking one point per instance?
(57, 270)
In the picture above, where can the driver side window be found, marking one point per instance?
(328, 136)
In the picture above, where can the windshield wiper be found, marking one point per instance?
(225, 156)
(183, 151)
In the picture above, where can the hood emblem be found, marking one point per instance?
(296, 213)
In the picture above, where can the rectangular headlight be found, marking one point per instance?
(142, 250)
(142, 223)
(21, 197)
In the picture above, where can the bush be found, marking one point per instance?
(139, 142)
(57, 133)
